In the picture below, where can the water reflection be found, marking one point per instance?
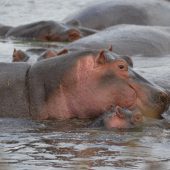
(69, 144)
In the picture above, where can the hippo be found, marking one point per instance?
(4, 29)
(49, 31)
(23, 56)
(132, 40)
(19, 56)
(83, 84)
(118, 117)
(51, 53)
(103, 14)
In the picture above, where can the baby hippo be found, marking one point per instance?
(119, 118)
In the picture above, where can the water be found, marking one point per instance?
(28, 144)
(36, 145)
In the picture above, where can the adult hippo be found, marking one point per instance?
(82, 84)
(107, 13)
(49, 31)
(128, 40)
(118, 118)
(4, 29)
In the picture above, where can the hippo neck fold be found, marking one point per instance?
(70, 96)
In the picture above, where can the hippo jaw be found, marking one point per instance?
(152, 100)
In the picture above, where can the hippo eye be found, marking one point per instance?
(121, 67)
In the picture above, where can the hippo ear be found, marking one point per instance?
(14, 50)
(119, 112)
(128, 60)
(101, 58)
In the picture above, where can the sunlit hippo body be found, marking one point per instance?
(113, 12)
(4, 29)
(45, 31)
(83, 85)
(118, 118)
(128, 40)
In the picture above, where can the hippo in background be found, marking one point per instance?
(159, 74)
(103, 14)
(132, 40)
(48, 31)
(24, 56)
(19, 56)
(45, 31)
(82, 84)
(88, 20)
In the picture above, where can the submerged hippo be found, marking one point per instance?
(119, 118)
(128, 40)
(19, 56)
(113, 12)
(49, 31)
(51, 53)
(23, 56)
(82, 84)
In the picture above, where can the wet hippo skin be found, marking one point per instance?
(45, 31)
(128, 40)
(24, 56)
(19, 56)
(82, 84)
(103, 14)
(118, 117)
(132, 40)
(13, 90)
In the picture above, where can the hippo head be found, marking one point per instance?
(19, 56)
(62, 32)
(88, 83)
(105, 79)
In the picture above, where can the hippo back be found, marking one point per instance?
(13, 90)
(129, 40)
(113, 12)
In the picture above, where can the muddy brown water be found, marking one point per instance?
(36, 145)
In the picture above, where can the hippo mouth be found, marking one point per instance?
(152, 105)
